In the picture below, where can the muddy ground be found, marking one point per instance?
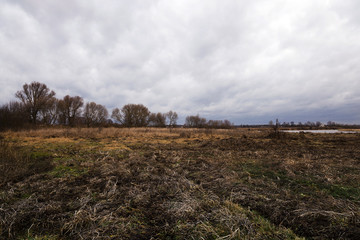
(178, 184)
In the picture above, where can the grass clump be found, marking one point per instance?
(63, 171)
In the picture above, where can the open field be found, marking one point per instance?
(181, 184)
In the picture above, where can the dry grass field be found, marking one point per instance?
(117, 183)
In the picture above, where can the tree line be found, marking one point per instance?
(37, 104)
(310, 124)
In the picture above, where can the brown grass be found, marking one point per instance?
(17, 163)
(122, 183)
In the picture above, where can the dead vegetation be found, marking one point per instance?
(180, 184)
(17, 163)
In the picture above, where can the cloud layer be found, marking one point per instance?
(248, 61)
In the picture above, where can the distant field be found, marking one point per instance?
(146, 183)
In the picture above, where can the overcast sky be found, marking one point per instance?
(249, 61)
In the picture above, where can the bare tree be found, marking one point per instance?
(135, 115)
(132, 115)
(227, 124)
(95, 114)
(331, 123)
(172, 118)
(69, 109)
(35, 97)
(152, 120)
(116, 114)
(157, 119)
(49, 115)
(195, 121)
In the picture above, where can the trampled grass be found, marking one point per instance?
(116, 183)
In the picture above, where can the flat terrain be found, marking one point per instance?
(182, 184)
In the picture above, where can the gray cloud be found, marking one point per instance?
(249, 61)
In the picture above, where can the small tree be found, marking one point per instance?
(195, 121)
(172, 118)
(95, 114)
(116, 115)
(35, 97)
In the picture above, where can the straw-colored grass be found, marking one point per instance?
(118, 183)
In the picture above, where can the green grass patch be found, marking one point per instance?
(68, 171)
(301, 184)
(345, 192)
(38, 155)
(260, 226)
